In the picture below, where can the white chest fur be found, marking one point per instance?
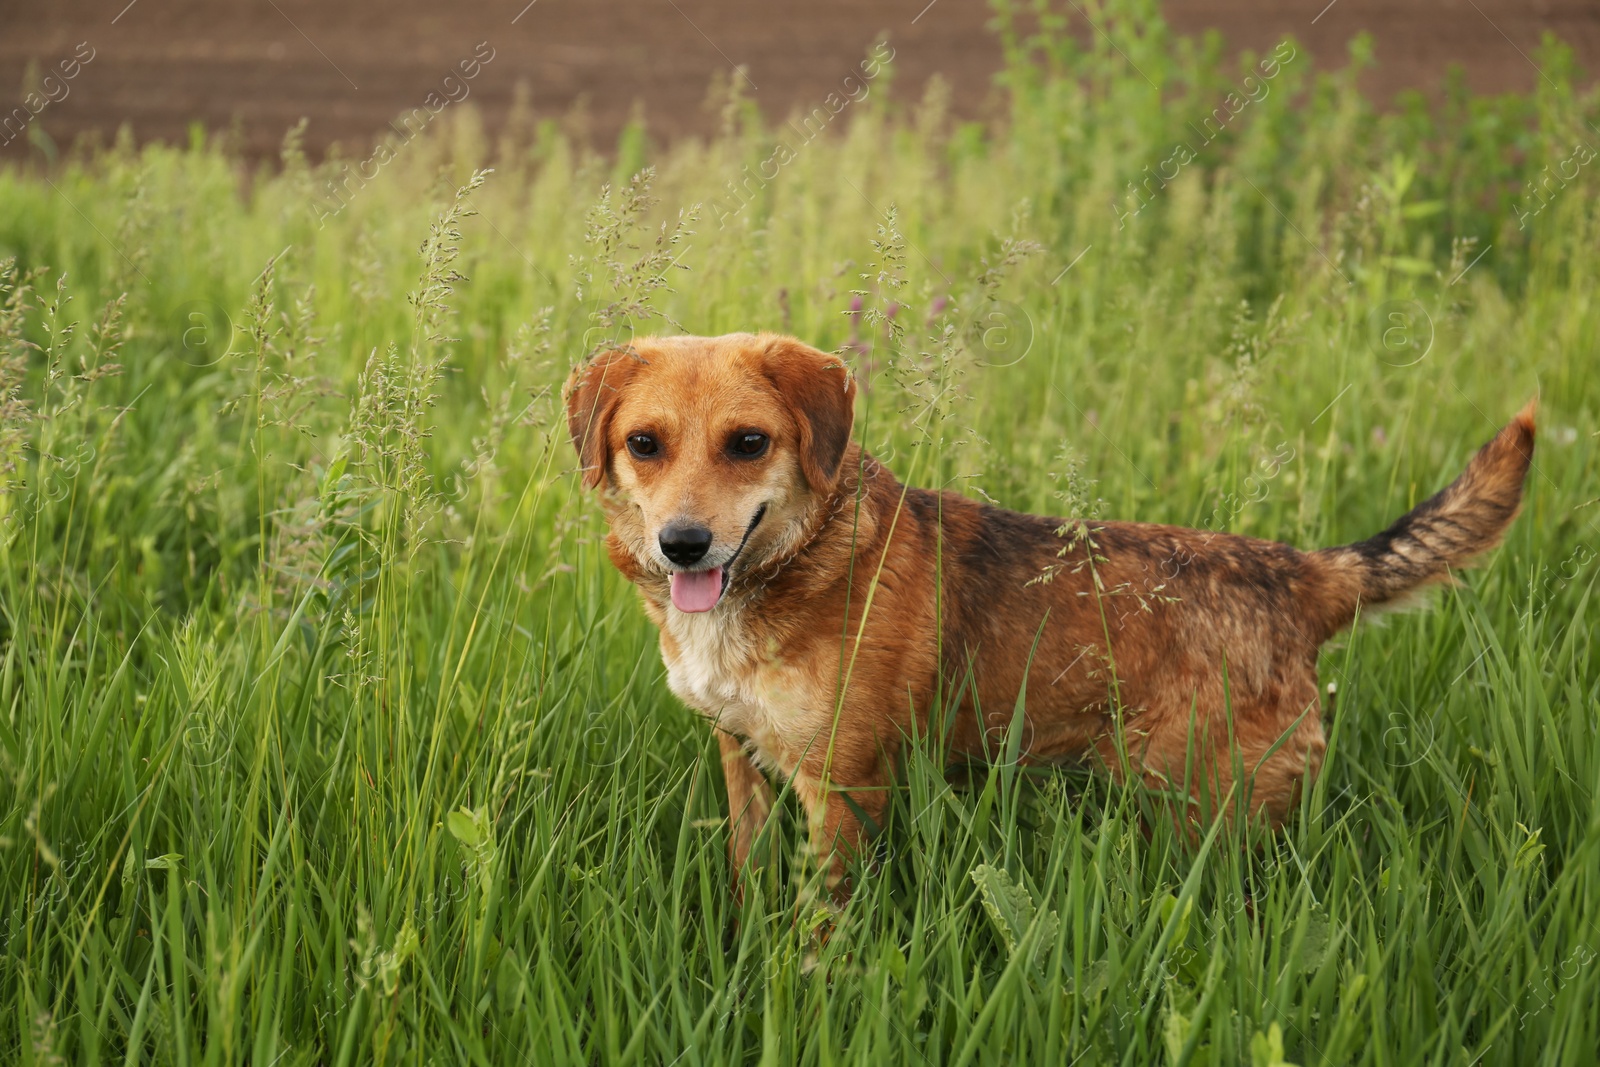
(748, 691)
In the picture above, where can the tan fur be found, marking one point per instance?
(831, 641)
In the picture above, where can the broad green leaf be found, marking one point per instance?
(1012, 912)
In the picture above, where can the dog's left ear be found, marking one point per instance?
(821, 393)
(591, 395)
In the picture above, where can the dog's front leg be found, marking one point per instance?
(846, 804)
(750, 800)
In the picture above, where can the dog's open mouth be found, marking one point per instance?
(695, 591)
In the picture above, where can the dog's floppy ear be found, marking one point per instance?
(821, 393)
(591, 394)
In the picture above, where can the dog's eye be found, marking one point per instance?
(747, 445)
(643, 445)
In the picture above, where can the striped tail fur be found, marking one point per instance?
(1443, 533)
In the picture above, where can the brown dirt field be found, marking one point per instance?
(351, 67)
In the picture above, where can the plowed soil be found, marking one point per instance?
(351, 66)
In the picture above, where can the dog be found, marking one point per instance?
(818, 611)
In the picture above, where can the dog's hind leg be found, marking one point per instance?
(1254, 761)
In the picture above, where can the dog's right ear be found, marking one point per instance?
(591, 394)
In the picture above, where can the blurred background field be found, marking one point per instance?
(329, 735)
(253, 68)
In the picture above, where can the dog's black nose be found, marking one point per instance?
(683, 543)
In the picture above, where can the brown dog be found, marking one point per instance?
(814, 608)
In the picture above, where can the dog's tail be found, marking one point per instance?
(1444, 532)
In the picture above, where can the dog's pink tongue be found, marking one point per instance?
(696, 590)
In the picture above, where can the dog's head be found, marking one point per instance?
(713, 451)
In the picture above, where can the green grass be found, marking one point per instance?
(330, 736)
